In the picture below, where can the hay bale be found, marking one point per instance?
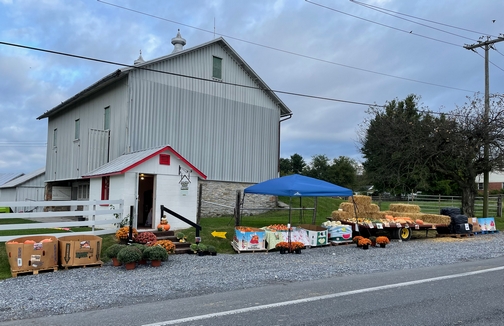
(404, 208)
(340, 215)
(372, 208)
(436, 219)
(413, 216)
(347, 207)
(360, 200)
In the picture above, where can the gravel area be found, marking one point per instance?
(85, 289)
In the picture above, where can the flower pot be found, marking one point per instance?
(382, 245)
(130, 265)
(373, 244)
(213, 254)
(365, 247)
(282, 251)
(142, 262)
(297, 251)
(155, 263)
(201, 253)
(116, 262)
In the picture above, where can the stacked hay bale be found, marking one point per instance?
(413, 212)
(365, 209)
(360, 205)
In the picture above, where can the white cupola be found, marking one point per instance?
(140, 59)
(178, 42)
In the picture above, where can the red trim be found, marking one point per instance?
(145, 159)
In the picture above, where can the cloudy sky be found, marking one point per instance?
(334, 49)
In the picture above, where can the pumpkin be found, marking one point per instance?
(46, 240)
(29, 242)
(419, 222)
(160, 227)
(166, 227)
(13, 242)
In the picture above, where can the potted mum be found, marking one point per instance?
(156, 254)
(168, 245)
(373, 241)
(283, 247)
(382, 241)
(202, 249)
(296, 246)
(146, 238)
(194, 247)
(356, 239)
(212, 250)
(181, 237)
(142, 248)
(364, 243)
(123, 233)
(112, 252)
(129, 256)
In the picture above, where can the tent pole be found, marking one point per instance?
(314, 218)
(289, 226)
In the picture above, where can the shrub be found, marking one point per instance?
(113, 250)
(155, 253)
(129, 254)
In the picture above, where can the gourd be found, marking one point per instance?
(166, 227)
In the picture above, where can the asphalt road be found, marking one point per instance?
(469, 293)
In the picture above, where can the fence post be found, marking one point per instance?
(237, 208)
(130, 235)
(499, 206)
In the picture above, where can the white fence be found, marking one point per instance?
(102, 216)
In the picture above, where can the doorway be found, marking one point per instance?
(146, 196)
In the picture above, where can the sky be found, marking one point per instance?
(334, 51)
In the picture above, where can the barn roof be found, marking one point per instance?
(6, 177)
(23, 178)
(121, 73)
(126, 162)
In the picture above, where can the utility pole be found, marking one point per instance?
(487, 45)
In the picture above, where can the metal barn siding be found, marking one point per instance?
(69, 159)
(230, 133)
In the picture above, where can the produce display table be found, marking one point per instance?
(273, 237)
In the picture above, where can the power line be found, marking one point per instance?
(291, 53)
(384, 25)
(185, 76)
(427, 20)
(409, 20)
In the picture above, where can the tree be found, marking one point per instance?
(407, 149)
(285, 166)
(343, 172)
(318, 167)
(297, 163)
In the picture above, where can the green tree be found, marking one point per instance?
(343, 172)
(285, 166)
(297, 163)
(318, 168)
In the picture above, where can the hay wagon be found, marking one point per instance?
(401, 231)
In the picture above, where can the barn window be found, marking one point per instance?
(217, 68)
(77, 129)
(164, 159)
(105, 188)
(480, 186)
(106, 120)
(55, 138)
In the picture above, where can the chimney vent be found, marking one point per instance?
(178, 42)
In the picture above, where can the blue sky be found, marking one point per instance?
(298, 46)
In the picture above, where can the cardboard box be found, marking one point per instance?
(79, 250)
(247, 238)
(339, 233)
(487, 224)
(317, 235)
(33, 256)
(475, 224)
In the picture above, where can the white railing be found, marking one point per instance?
(102, 216)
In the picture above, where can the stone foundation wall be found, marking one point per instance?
(219, 198)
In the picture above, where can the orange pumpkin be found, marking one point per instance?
(419, 222)
(13, 242)
(29, 242)
(46, 240)
(160, 227)
(166, 227)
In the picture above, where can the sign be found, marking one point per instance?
(219, 234)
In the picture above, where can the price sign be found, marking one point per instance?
(370, 225)
(467, 226)
(379, 226)
(398, 225)
(386, 224)
(417, 227)
(406, 226)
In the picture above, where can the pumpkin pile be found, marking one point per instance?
(29, 241)
(277, 227)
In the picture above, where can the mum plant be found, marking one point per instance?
(123, 233)
(155, 253)
(129, 254)
(113, 250)
(168, 245)
(382, 240)
(364, 242)
(146, 238)
(357, 238)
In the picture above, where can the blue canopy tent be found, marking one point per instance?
(296, 185)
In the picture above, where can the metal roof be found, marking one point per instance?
(126, 162)
(120, 73)
(23, 178)
(6, 177)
